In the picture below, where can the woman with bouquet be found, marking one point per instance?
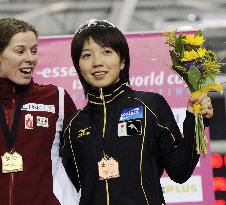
(116, 148)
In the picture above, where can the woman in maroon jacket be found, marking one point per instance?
(31, 120)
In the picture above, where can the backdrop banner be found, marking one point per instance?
(150, 71)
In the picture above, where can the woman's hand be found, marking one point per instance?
(205, 103)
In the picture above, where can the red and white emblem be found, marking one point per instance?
(29, 123)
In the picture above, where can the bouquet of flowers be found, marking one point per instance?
(197, 66)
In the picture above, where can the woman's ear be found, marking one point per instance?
(122, 64)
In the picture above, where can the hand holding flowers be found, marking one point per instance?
(198, 67)
(204, 101)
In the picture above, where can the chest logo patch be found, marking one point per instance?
(38, 107)
(84, 132)
(129, 128)
(42, 121)
(29, 123)
(132, 113)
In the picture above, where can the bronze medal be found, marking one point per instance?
(108, 168)
(11, 161)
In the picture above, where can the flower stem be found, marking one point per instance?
(200, 137)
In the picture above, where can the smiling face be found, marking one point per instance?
(99, 66)
(19, 58)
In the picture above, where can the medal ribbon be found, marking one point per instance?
(10, 136)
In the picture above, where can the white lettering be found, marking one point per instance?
(55, 72)
(174, 79)
(148, 80)
(76, 85)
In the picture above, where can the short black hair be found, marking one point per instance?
(105, 34)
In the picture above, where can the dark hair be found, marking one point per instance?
(9, 27)
(105, 34)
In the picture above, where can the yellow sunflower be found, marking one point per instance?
(193, 40)
(192, 55)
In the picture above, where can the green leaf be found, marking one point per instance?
(174, 58)
(210, 79)
(179, 47)
(194, 77)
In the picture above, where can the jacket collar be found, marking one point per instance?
(8, 89)
(109, 94)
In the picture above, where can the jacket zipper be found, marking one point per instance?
(104, 130)
(11, 186)
(11, 176)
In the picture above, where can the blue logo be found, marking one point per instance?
(132, 113)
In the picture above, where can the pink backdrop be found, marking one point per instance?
(150, 63)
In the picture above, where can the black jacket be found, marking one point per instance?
(153, 143)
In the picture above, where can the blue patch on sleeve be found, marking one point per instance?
(132, 113)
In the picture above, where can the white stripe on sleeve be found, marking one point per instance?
(63, 188)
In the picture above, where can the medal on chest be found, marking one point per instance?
(108, 168)
(11, 162)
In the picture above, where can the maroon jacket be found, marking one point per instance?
(37, 140)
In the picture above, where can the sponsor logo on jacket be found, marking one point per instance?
(38, 107)
(132, 113)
